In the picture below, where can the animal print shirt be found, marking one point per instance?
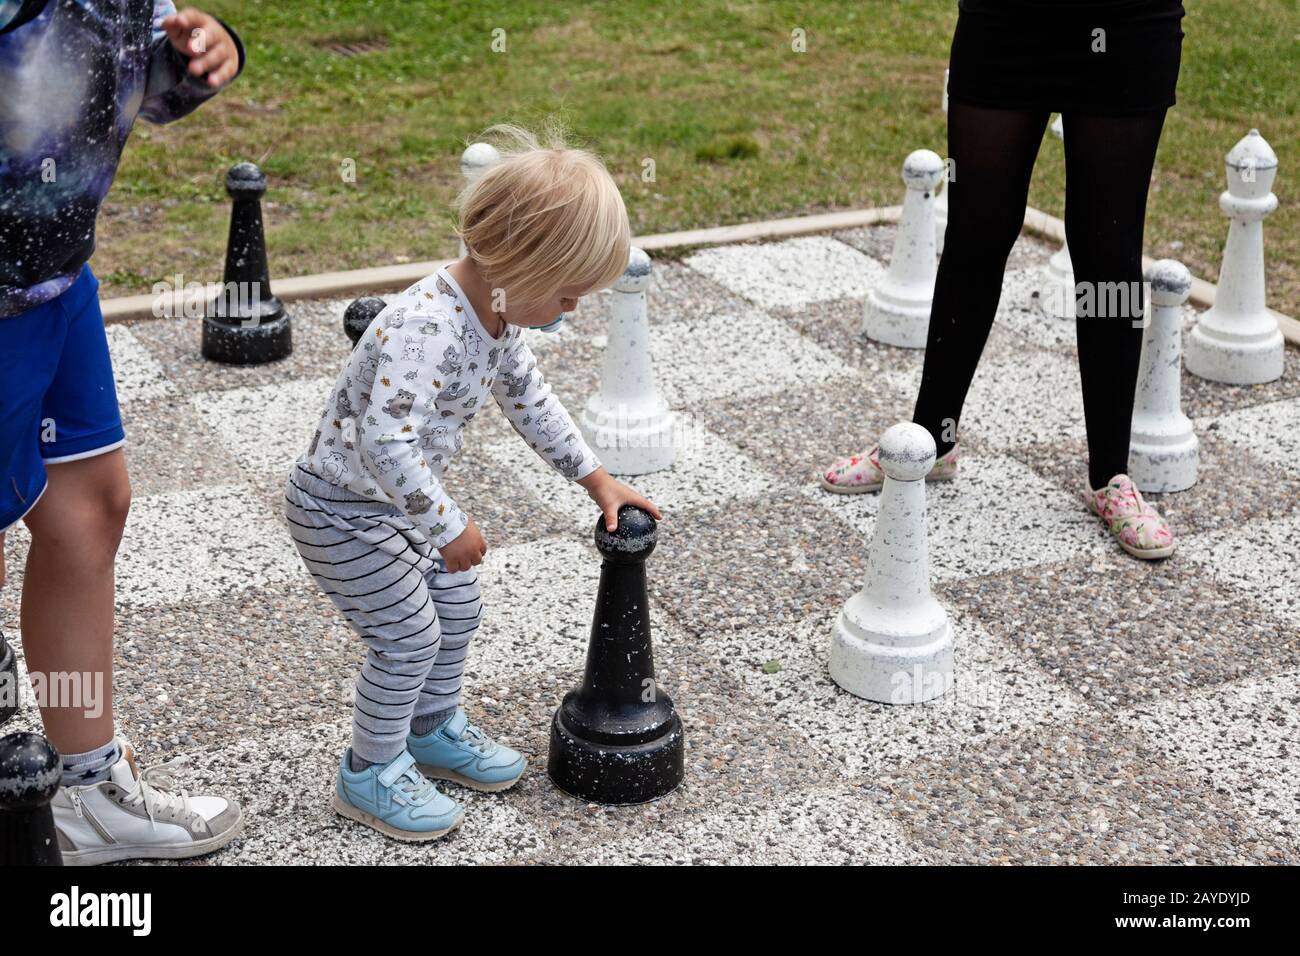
(417, 377)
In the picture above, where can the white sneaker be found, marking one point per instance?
(140, 816)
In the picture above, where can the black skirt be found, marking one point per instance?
(1089, 56)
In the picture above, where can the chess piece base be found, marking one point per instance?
(881, 667)
(232, 343)
(1251, 359)
(631, 446)
(893, 317)
(1056, 294)
(1163, 462)
(615, 773)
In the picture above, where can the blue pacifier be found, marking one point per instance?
(551, 326)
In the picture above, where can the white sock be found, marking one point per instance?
(92, 766)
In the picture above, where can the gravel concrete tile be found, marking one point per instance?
(1205, 399)
(1021, 311)
(320, 349)
(139, 377)
(877, 241)
(836, 326)
(789, 274)
(773, 561)
(1118, 631)
(1257, 490)
(1070, 795)
(167, 448)
(1261, 559)
(797, 433)
(676, 293)
(828, 827)
(189, 546)
(736, 759)
(1269, 433)
(996, 692)
(707, 472)
(745, 355)
(972, 531)
(266, 427)
(1238, 740)
(1018, 397)
(263, 662)
(284, 784)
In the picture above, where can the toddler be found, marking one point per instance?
(366, 504)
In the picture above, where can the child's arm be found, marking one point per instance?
(402, 395)
(539, 417)
(194, 55)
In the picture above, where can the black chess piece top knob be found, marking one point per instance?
(245, 181)
(632, 541)
(30, 773)
(358, 316)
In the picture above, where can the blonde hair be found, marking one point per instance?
(544, 218)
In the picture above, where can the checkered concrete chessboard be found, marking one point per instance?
(1105, 711)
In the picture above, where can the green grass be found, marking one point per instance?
(738, 126)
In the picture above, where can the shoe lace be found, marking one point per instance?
(156, 789)
(413, 787)
(476, 738)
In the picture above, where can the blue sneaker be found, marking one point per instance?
(395, 799)
(456, 750)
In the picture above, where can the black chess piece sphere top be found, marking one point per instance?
(30, 773)
(359, 315)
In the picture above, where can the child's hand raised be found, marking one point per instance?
(204, 40)
(465, 550)
(612, 494)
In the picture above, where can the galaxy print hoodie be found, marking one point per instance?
(73, 78)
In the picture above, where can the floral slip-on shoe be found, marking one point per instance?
(1136, 525)
(861, 473)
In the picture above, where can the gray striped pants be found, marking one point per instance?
(417, 620)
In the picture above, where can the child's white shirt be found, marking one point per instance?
(418, 376)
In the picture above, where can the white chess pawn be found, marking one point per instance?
(897, 310)
(1056, 294)
(1238, 340)
(941, 202)
(1163, 450)
(627, 422)
(477, 159)
(893, 642)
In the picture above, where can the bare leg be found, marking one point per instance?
(67, 606)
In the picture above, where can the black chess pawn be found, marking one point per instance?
(245, 324)
(617, 738)
(360, 314)
(8, 681)
(30, 773)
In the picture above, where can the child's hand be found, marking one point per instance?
(465, 550)
(205, 41)
(612, 494)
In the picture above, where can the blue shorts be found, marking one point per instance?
(57, 397)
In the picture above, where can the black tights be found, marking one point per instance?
(1108, 162)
